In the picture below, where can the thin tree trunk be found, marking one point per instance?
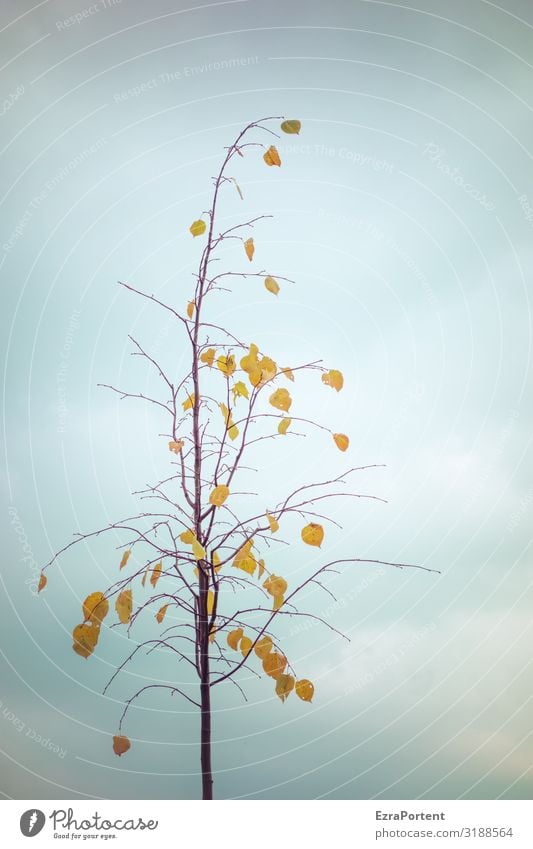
(205, 741)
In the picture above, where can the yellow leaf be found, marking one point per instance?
(95, 608)
(268, 368)
(160, 615)
(227, 364)
(261, 565)
(249, 248)
(197, 227)
(198, 550)
(190, 308)
(208, 356)
(275, 585)
(271, 285)
(291, 126)
(210, 602)
(284, 425)
(123, 606)
(249, 361)
(304, 690)
(284, 686)
(288, 374)
(85, 638)
(271, 156)
(233, 639)
(187, 537)
(125, 558)
(189, 403)
(216, 561)
(42, 582)
(156, 573)
(176, 446)
(246, 645)
(278, 601)
(239, 390)
(121, 745)
(143, 579)
(244, 558)
(274, 664)
(237, 187)
(334, 379)
(274, 524)
(263, 647)
(281, 400)
(313, 534)
(219, 495)
(341, 441)
(212, 634)
(233, 432)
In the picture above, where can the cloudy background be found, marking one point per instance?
(403, 212)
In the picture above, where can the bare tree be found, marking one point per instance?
(205, 553)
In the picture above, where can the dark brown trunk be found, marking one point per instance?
(205, 741)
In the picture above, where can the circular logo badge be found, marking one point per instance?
(32, 822)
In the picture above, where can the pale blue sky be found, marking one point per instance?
(403, 212)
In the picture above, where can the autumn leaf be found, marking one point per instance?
(208, 356)
(227, 364)
(160, 615)
(189, 403)
(249, 248)
(143, 579)
(288, 374)
(244, 558)
(210, 602)
(237, 187)
(175, 445)
(261, 568)
(341, 441)
(277, 602)
(304, 690)
(239, 390)
(123, 606)
(121, 745)
(275, 585)
(42, 582)
(197, 227)
(85, 638)
(156, 573)
(95, 608)
(190, 308)
(216, 561)
(187, 537)
(284, 425)
(284, 686)
(274, 524)
(268, 368)
(313, 534)
(271, 156)
(246, 645)
(271, 285)
(125, 558)
(291, 126)
(274, 664)
(281, 400)
(334, 379)
(250, 364)
(233, 430)
(212, 634)
(233, 639)
(219, 495)
(198, 550)
(263, 647)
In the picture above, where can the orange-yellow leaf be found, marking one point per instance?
(249, 248)
(291, 126)
(281, 400)
(219, 495)
(187, 537)
(263, 647)
(212, 634)
(197, 227)
(123, 606)
(190, 308)
(156, 573)
(210, 602)
(246, 645)
(175, 445)
(216, 561)
(334, 379)
(42, 582)
(261, 565)
(208, 356)
(274, 664)
(313, 534)
(275, 585)
(244, 559)
(233, 639)
(271, 285)
(125, 558)
(304, 690)
(273, 522)
(271, 156)
(277, 602)
(227, 364)
(198, 550)
(288, 373)
(284, 425)
(284, 686)
(95, 608)
(341, 441)
(121, 745)
(268, 368)
(143, 579)
(189, 403)
(85, 638)
(160, 615)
